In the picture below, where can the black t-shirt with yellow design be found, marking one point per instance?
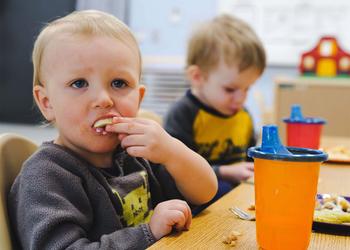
(218, 138)
(133, 193)
(130, 185)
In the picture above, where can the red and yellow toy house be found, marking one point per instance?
(327, 59)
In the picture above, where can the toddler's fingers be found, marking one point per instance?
(250, 167)
(137, 151)
(121, 136)
(178, 219)
(188, 216)
(126, 128)
(133, 140)
(185, 208)
(131, 119)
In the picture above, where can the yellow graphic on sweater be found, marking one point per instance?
(220, 138)
(135, 204)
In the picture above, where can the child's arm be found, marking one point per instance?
(193, 175)
(236, 172)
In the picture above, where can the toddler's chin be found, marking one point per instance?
(235, 110)
(109, 144)
(105, 149)
(231, 112)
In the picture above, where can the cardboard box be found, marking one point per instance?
(318, 97)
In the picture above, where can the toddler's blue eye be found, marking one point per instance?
(118, 84)
(78, 84)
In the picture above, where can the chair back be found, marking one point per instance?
(14, 150)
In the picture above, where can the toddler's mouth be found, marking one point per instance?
(103, 122)
(100, 125)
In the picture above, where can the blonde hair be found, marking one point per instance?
(228, 38)
(88, 22)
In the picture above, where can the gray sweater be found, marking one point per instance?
(60, 201)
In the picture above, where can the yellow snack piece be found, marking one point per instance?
(331, 216)
(103, 122)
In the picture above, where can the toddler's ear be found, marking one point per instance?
(195, 75)
(42, 100)
(142, 91)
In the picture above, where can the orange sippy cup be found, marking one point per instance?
(285, 192)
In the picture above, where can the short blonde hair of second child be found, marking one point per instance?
(88, 22)
(228, 38)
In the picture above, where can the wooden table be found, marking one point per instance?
(209, 227)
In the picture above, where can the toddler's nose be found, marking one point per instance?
(103, 100)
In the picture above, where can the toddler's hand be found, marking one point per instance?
(168, 215)
(143, 138)
(237, 172)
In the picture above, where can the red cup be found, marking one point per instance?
(304, 135)
(303, 132)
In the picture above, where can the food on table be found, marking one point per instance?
(331, 216)
(332, 209)
(231, 238)
(344, 204)
(103, 122)
(338, 153)
(251, 207)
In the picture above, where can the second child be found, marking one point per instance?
(224, 59)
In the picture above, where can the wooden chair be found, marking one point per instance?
(14, 150)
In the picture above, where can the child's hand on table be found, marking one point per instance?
(237, 172)
(168, 215)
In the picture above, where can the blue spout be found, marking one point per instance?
(271, 142)
(296, 114)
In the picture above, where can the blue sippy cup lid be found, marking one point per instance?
(271, 141)
(296, 116)
(272, 148)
